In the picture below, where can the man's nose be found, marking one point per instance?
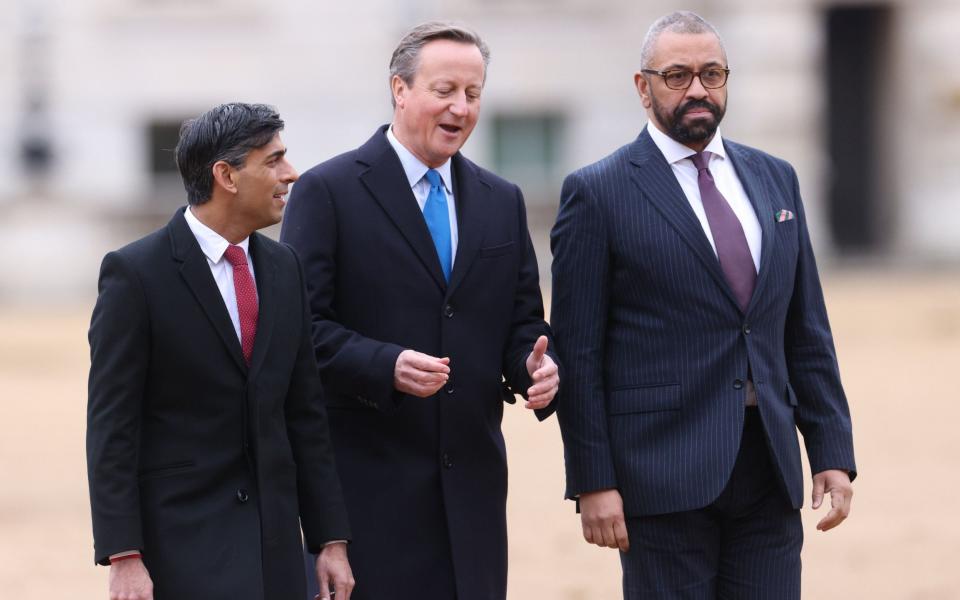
(289, 173)
(696, 89)
(459, 105)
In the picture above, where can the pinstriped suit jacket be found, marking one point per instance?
(656, 348)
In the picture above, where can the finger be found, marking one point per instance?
(340, 587)
(833, 518)
(324, 584)
(544, 387)
(425, 362)
(609, 537)
(539, 349)
(545, 372)
(541, 400)
(428, 377)
(623, 540)
(817, 494)
(587, 534)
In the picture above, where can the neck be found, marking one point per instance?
(403, 138)
(210, 214)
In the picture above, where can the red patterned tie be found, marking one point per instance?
(246, 293)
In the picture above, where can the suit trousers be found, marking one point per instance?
(745, 544)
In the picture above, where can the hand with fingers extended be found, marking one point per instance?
(333, 571)
(129, 580)
(836, 483)
(420, 374)
(544, 374)
(601, 514)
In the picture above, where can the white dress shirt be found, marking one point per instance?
(724, 176)
(214, 246)
(416, 176)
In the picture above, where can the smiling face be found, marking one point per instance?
(436, 112)
(262, 184)
(689, 116)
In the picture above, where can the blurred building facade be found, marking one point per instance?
(863, 98)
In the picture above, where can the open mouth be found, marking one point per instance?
(452, 129)
(280, 197)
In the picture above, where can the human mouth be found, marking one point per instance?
(280, 197)
(451, 129)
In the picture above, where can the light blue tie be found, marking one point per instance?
(438, 220)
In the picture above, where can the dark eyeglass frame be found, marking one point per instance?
(697, 74)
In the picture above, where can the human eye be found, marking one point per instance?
(677, 77)
(713, 75)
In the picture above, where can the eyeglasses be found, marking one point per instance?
(680, 79)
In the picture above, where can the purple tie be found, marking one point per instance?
(732, 249)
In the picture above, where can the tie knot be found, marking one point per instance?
(434, 178)
(701, 160)
(235, 256)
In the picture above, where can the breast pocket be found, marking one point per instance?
(642, 399)
(494, 251)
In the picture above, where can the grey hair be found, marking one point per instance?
(681, 21)
(406, 57)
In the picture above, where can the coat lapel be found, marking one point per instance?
(658, 184)
(757, 188)
(196, 274)
(386, 181)
(265, 271)
(470, 196)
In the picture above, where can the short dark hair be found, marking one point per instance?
(406, 56)
(227, 132)
(681, 21)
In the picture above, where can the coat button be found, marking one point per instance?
(242, 495)
(746, 329)
(737, 384)
(448, 311)
(449, 388)
(446, 461)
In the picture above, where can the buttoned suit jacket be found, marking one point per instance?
(657, 349)
(425, 478)
(207, 465)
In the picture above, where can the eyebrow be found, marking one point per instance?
(276, 154)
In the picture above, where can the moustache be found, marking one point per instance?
(695, 104)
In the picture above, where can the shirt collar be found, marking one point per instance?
(212, 243)
(413, 167)
(674, 151)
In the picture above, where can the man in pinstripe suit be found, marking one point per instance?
(688, 310)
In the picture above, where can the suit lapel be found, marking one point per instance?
(196, 274)
(265, 271)
(757, 188)
(470, 195)
(387, 182)
(658, 184)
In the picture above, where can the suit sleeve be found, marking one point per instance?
(579, 317)
(822, 414)
(119, 351)
(323, 513)
(352, 364)
(528, 322)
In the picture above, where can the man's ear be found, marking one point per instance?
(224, 176)
(398, 87)
(643, 88)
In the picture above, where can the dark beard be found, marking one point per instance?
(697, 131)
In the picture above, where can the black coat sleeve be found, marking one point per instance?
(119, 352)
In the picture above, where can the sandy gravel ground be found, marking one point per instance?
(898, 337)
